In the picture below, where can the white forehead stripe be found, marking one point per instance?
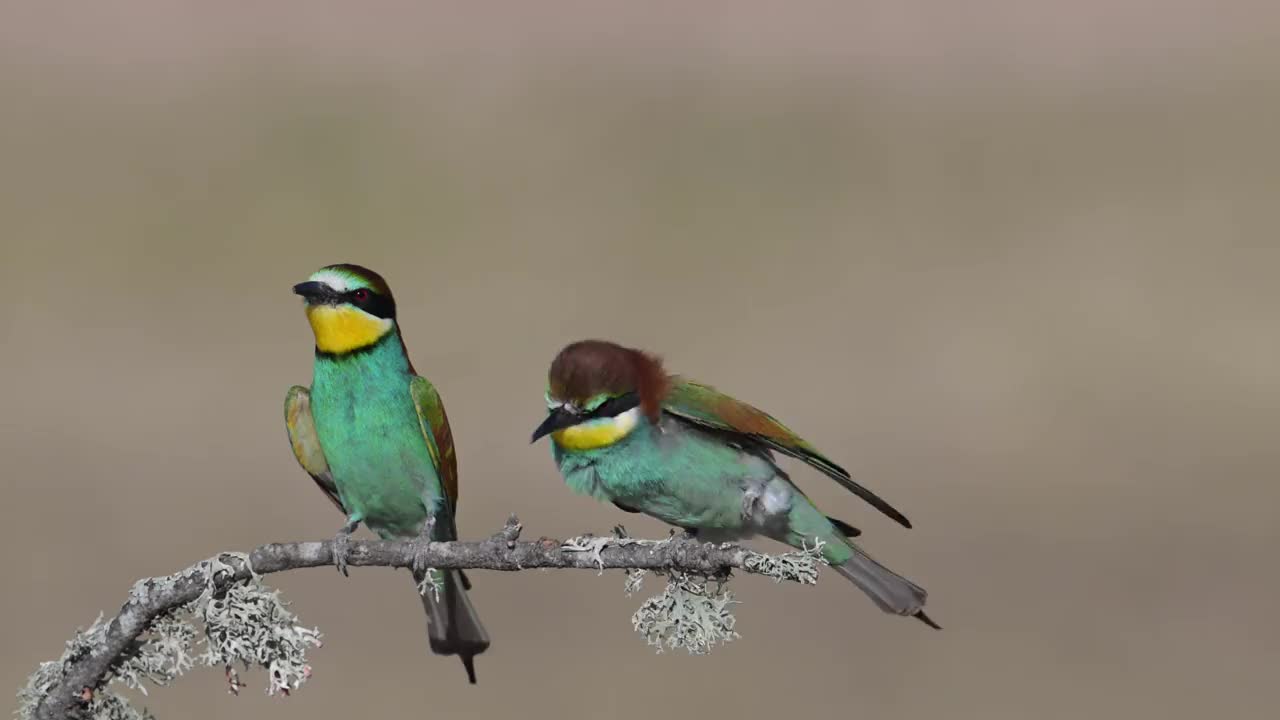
(553, 404)
(340, 282)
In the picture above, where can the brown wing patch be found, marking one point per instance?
(438, 434)
(712, 407)
(709, 407)
(306, 444)
(448, 458)
(751, 420)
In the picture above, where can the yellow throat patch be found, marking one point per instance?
(598, 433)
(341, 329)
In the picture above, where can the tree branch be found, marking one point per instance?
(85, 672)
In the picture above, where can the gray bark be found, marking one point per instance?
(155, 596)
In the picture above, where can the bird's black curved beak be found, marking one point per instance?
(315, 293)
(557, 419)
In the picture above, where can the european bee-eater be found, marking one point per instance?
(626, 432)
(375, 438)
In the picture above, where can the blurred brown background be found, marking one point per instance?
(1013, 263)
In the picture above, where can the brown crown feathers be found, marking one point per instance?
(588, 368)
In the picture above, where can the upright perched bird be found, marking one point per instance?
(375, 438)
(626, 432)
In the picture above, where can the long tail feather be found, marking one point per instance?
(453, 627)
(927, 620)
(890, 591)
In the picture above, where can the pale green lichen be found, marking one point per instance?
(49, 674)
(152, 661)
(591, 544)
(796, 566)
(250, 625)
(432, 582)
(39, 684)
(165, 655)
(690, 613)
(635, 581)
(245, 623)
(693, 612)
(595, 544)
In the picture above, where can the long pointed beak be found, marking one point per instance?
(314, 292)
(557, 419)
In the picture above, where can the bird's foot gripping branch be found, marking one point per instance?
(219, 613)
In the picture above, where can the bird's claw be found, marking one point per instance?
(429, 579)
(341, 550)
(620, 532)
(420, 546)
(342, 545)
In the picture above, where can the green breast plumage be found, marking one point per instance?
(678, 474)
(691, 478)
(372, 439)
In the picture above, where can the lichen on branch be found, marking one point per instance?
(246, 625)
(219, 613)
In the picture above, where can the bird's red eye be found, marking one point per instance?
(361, 295)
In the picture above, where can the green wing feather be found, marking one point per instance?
(305, 443)
(704, 405)
(436, 431)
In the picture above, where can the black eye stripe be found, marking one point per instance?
(374, 303)
(614, 406)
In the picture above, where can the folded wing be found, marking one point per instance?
(305, 442)
(705, 406)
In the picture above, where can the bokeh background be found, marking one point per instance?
(1013, 263)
